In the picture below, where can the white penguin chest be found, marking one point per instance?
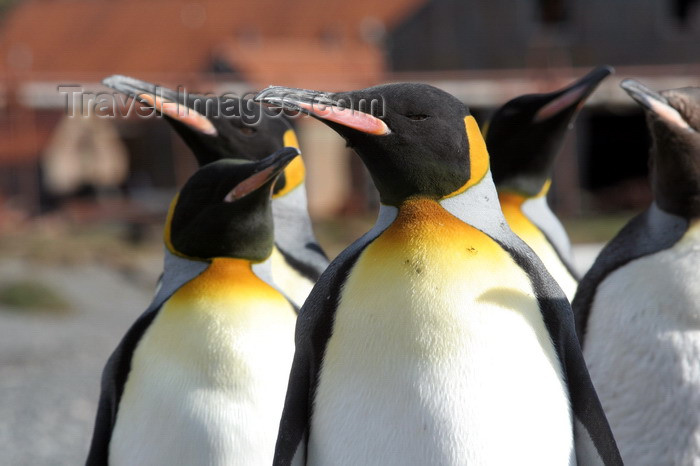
(439, 356)
(208, 379)
(642, 349)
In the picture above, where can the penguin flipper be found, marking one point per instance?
(314, 327)
(593, 438)
(313, 330)
(650, 232)
(176, 272)
(114, 378)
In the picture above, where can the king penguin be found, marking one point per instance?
(218, 127)
(200, 377)
(438, 337)
(638, 307)
(524, 137)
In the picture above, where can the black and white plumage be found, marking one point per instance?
(638, 308)
(438, 337)
(220, 127)
(200, 377)
(524, 137)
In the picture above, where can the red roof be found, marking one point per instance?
(263, 40)
(302, 63)
(326, 44)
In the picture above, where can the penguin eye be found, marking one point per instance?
(247, 130)
(417, 117)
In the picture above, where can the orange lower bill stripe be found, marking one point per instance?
(182, 113)
(351, 118)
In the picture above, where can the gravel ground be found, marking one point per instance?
(50, 366)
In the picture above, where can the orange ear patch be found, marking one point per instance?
(295, 172)
(167, 235)
(478, 155)
(289, 139)
(168, 226)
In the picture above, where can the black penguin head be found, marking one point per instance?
(673, 117)
(224, 209)
(219, 127)
(526, 133)
(416, 140)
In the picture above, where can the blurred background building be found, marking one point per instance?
(484, 52)
(72, 189)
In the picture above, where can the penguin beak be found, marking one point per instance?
(655, 103)
(572, 98)
(266, 170)
(166, 101)
(324, 106)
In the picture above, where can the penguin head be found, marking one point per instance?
(526, 133)
(224, 209)
(220, 127)
(416, 140)
(673, 118)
